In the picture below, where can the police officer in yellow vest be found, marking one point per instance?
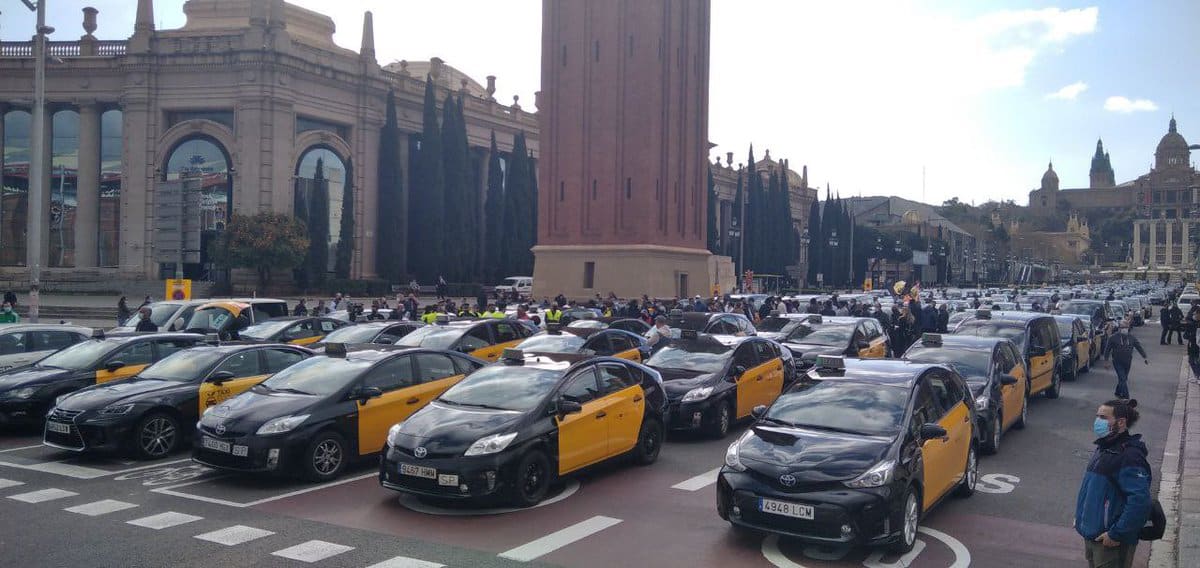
(430, 315)
(554, 315)
(492, 312)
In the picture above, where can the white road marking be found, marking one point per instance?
(6, 450)
(67, 469)
(100, 508)
(234, 535)
(312, 551)
(164, 520)
(558, 539)
(406, 562)
(42, 495)
(699, 482)
(6, 483)
(171, 490)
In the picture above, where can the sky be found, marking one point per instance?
(926, 100)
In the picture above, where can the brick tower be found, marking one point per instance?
(623, 120)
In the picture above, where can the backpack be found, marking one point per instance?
(1156, 523)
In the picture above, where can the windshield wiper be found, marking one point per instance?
(472, 404)
(832, 429)
(290, 390)
(777, 421)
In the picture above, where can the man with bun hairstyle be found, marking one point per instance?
(1114, 499)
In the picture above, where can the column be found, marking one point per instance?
(47, 165)
(1185, 260)
(1153, 244)
(1169, 224)
(1137, 244)
(87, 210)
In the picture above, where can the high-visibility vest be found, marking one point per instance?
(429, 318)
(553, 315)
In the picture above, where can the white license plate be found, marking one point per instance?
(216, 445)
(418, 471)
(448, 480)
(58, 427)
(786, 509)
(240, 451)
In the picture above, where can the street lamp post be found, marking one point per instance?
(37, 161)
(833, 243)
(805, 239)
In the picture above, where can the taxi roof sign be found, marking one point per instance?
(442, 319)
(335, 349)
(931, 339)
(983, 314)
(98, 334)
(513, 356)
(689, 334)
(554, 328)
(815, 318)
(212, 338)
(831, 362)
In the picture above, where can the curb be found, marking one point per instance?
(1180, 545)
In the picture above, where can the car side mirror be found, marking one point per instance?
(930, 431)
(738, 371)
(862, 344)
(758, 411)
(1008, 380)
(565, 407)
(363, 394)
(113, 365)
(178, 324)
(220, 377)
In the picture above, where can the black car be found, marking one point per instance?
(152, 413)
(712, 381)
(632, 325)
(27, 393)
(510, 429)
(779, 325)
(716, 323)
(587, 342)
(316, 416)
(379, 332)
(856, 454)
(841, 336)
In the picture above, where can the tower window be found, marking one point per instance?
(596, 50)
(628, 187)
(593, 190)
(631, 45)
(564, 55)
(589, 275)
(562, 190)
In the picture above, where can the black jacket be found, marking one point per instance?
(146, 325)
(1121, 346)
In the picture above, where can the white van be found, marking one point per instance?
(1186, 301)
(521, 285)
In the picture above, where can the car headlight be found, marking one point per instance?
(490, 444)
(118, 409)
(981, 402)
(699, 394)
(60, 398)
(282, 424)
(877, 476)
(733, 456)
(26, 392)
(393, 433)
(1066, 350)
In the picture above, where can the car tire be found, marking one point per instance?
(992, 444)
(325, 457)
(966, 487)
(649, 442)
(1072, 374)
(910, 523)
(1055, 388)
(721, 422)
(157, 435)
(1023, 417)
(531, 479)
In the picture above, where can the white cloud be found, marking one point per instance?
(1126, 106)
(1069, 92)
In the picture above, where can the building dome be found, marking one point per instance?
(1050, 178)
(1172, 140)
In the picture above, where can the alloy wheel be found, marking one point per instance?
(158, 436)
(910, 520)
(327, 457)
(533, 478)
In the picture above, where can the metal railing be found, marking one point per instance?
(104, 48)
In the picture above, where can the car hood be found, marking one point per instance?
(679, 381)
(246, 412)
(811, 351)
(811, 456)
(31, 376)
(445, 430)
(130, 390)
(776, 335)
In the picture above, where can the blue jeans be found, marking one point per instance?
(1122, 379)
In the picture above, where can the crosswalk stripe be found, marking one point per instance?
(312, 551)
(6, 483)
(406, 562)
(234, 535)
(100, 508)
(164, 520)
(42, 495)
(556, 540)
(699, 482)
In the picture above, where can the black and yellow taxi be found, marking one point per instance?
(855, 453)
(1076, 346)
(716, 323)
(1036, 337)
(316, 416)
(386, 332)
(153, 413)
(508, 430)
(845, 336)
(27, 393)
(712, 381)
(778, 325)
(296, 330)
(632, 325)
(994, 371)
(482, 338)
(229, 317)
(587, 342)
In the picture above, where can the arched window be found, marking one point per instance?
(111, 173)
(64, 170)
(200, 164)
(321, 178)
(14, 201)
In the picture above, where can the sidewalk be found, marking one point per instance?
(1179, 483)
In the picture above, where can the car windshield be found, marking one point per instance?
(835, 334)
(210, 318)
(549, 343)
(855, 408)
(990, 328)
(1081, 308)
(703, 354)
(318, 376)
(777, 324)
(182, 366)
(503, 388)
(587, 324)
(80, 356)
(433, 337)
(353, 334)
(1065, 329)
(266, 329)
(968, 362)
(160, 313)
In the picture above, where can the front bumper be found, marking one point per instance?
(251, 453)
(458, 478)
(22, 411)
(841, 516)
(89, 432)
(691, 415)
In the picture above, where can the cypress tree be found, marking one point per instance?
(814, 239)
(519, 216)
(426, 199)
(739, 202)
(531, 234)
(495, 216)
(828, 225)
(318, 227)
(750, 231)
(770, 241)
(713, 231)
(458, 241)
(472, 203)
(391, 226)
(345, 246)
(787, 236)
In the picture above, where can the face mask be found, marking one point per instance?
(1100, 427)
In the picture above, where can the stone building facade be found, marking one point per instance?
(240, 104)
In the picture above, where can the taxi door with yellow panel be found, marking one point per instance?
(1040, 354)
(877, 344)
(1009, 362)
(1082, 345)
(935, 452)
(436, 372)
(506, 334)
(394, 378)
(583, 435)
(236, 374)
(618, 383)
(125, 362)
(606, 343)
(952, 399)
(771, 361)
(748, 375)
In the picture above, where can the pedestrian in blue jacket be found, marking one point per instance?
(1114, 499)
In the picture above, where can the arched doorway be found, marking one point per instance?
(198, 172)
(322, 176)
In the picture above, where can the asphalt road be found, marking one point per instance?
(59, 510)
